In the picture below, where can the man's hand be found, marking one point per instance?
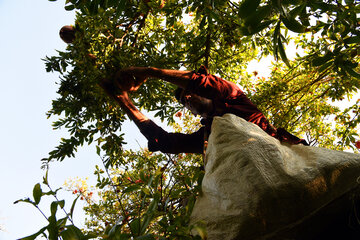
(129, 79)
(123, 96)
(117, 94)
(108, 86)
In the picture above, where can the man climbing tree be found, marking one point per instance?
(152, 191)
(203, 94)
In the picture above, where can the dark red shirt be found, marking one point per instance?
(227, 98)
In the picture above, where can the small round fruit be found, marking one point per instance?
(67, 33)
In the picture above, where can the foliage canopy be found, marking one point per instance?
(224, 36)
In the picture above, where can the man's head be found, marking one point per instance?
(196, 104)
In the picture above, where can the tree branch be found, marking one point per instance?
(141, 25)
(132, 22)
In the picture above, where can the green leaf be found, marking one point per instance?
(104, 4)
(131, 188)
(72, 233)
(321, 5)
(52, 228)
(351, 72)
(35, 235)
(176, 193)
(352, 40)
(142, 176)
(37, 193)
(297, 10)
(120, 7)
(115, 234)
(61, 203)
(244, 31)
(259, 15)
(54, 205)
(263, 25)
(325, 66)
(214, 16)
(318, 61)
(188, 181)
(248, 7)
(135, 226)
(146, 237)
(253, 22)
(69, 7)
(61, 222)
(53, 208)
(98, 150)
(275, 40)
(282, 53)
(51, 192)
(73, 206)
(293, 25)
(148, 216)
(304, 17)
(45, 178)
(276, 3)
(351, 64)
(93, 235)
(202, 23)
(146, 191)
(27, 200)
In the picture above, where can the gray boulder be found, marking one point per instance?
(256, 187)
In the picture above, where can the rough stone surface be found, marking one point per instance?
(258, 188)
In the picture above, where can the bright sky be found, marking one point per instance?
(29, 33)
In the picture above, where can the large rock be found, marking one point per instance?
(258, 188)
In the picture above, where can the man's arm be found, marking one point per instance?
(158, 139)
(126, 104)
(177, 77)
(200, 82)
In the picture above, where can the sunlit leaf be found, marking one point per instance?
(131, 188)
(293, 25)
(72, 233)
(351, 71)
(282, 53)
(148, 216)
(37, 193)
(318, 61)
(45, 178)
(35, 235)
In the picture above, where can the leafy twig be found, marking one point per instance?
(117, 196)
